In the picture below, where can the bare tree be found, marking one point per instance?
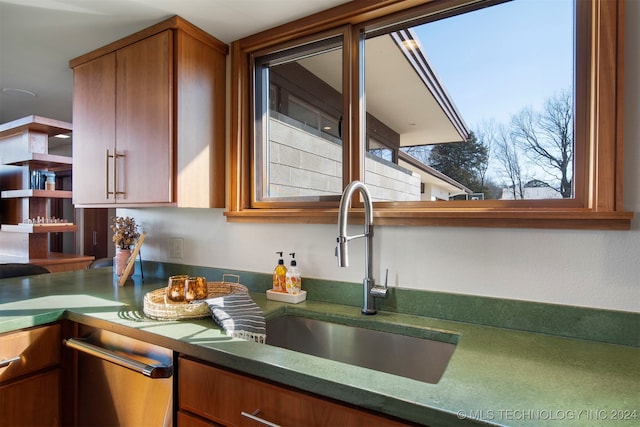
(547, 138)
(506, 153)
(420, 152)
(508, 157)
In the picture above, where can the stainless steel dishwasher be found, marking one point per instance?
(122, 381)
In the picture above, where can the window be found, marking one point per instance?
(485, 97)
(378, 149)
(367, 138)
(298, 144)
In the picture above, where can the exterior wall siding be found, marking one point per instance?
(303, 164)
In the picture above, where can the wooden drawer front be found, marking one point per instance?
(37, 349)
(222, 396)
(187, 420)
(33, 401)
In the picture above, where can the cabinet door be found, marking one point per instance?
(33, 401)
(30, 386)
(94, 114)
(144, 112)
(96, 232)
(187, 420)
(37, 349)
(231, 399)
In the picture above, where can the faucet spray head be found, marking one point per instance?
(342, 251)
(343, 211)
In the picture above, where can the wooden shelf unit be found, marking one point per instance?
(35, 161)
(24, 147)
(37, 228)
(45, 194)
(37, 124)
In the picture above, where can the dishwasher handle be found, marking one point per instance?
(6, 362)
(151, 371)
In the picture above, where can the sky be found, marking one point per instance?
(496, 61)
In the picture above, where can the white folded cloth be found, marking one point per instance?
(239, 316)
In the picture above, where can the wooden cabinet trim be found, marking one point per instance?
(173, 23)
(598, 199)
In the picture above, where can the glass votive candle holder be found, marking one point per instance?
(195, 288)
(175, 287)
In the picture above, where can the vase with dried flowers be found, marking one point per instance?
(125, 236)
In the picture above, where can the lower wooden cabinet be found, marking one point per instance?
(33, 401)
(186, 419)
(30, 377)
(218, 397)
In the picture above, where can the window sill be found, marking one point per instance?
(578, 219)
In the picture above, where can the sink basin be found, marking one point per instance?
(407, 356)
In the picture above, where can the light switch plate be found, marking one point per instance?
(176, 247)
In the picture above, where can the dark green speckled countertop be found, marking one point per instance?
(496, 376)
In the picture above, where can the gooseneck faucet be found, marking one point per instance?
(342, 252)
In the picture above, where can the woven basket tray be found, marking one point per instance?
(157, 306)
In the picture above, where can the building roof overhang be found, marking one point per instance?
(430, 175)
(402, 89)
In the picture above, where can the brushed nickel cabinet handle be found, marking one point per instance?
(254, 416)
(151, 371)
(116, 156)
(106, 171)
(6, 362)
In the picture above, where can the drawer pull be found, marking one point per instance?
(115, 191)
(152, 371)
(106, 170)
(254, 416)
(6, 362)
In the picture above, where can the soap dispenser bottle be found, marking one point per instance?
(280, 276)
(293, 280)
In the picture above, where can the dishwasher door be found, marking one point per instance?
(122, 381)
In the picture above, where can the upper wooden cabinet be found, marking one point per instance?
(149, 115)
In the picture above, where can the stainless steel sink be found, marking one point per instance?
(407, 356)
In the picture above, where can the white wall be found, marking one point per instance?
(585, 268)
